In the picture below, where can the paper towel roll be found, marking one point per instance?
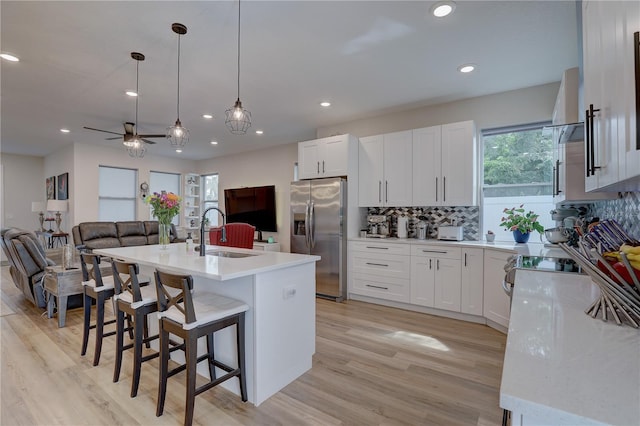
(403, 227)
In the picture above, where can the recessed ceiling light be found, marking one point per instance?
(9, 57)
(214, 142)
(325, 104)
(207, 116)
(65, 130)
(466, 68)
(178, 150)
(259, 132)
(131, 93)
(443, 8)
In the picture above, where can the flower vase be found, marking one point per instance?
(164, 230)
(521, 237)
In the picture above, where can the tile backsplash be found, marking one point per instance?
(468, 217)
(625, 210)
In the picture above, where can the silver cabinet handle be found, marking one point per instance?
(465, 259)
(438, 264)
(557, 177)
(434, 251)
(322, 166)
(379, 191)
(377, 264)
(318, 166)
(377, 286)
(587, 144)
(436, 189)
(444, 188)
(386, 191)
(378, 248)
(430, 263)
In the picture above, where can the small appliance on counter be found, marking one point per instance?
(422, 229)
(377, 226)
(450, 233)
(403, 226)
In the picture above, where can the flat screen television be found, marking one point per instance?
(255, 206)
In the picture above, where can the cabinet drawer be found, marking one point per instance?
(381, 264)
(442, 252)
(376, 247)
(383, 288)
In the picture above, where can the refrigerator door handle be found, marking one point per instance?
(312, 236)
(306, 225)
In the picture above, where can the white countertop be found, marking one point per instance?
(534, 249)
(563, 367)
(176, 259)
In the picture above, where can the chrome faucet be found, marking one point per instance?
(223, 238)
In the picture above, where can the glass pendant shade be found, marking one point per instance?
(177, 135)
(238, 119)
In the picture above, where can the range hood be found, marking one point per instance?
(566, 127)
(566, 133)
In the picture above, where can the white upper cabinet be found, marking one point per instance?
(612, 154)
(444, 165)
(326, 157)
(385, 177)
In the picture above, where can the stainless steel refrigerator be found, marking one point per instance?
(318, 227)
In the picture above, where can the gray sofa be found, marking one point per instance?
(96, 235)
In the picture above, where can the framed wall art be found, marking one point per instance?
(63, 186)
(51, 188)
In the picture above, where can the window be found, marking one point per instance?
(210, 197)
(518, 164)
(161, 181)
(116, 194)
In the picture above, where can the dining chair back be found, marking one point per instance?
(238, 235)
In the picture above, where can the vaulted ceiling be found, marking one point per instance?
(365, 57)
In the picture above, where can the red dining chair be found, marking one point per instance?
(238, 235)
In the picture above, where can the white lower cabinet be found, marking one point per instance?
(445, 277)
(472, 288)
(496, 302)
(435, 277)
(380, 270)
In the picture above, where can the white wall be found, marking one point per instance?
(269, 166)
(22, 183)
(532, 104)
(84, 182)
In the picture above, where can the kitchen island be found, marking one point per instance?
(562, 367)
(280, 291)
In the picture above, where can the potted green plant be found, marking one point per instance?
(521, 223)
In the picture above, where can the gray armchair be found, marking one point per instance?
(27, 260)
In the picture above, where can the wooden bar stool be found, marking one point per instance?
(191, 317)
(134, 301)
(96, 288)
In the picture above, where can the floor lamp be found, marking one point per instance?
(57, 206)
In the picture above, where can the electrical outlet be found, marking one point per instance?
(288, 292)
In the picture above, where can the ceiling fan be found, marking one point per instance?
(129, 133)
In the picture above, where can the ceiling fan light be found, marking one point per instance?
(136, 147)
(238, 119)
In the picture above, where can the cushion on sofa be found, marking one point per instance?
(97, 235)
(131, 233)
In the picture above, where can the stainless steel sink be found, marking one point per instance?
(229, 254)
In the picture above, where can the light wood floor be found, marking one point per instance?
(373, 365)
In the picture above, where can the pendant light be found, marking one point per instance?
(177, 134)
(238, 119)
(136, 146)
